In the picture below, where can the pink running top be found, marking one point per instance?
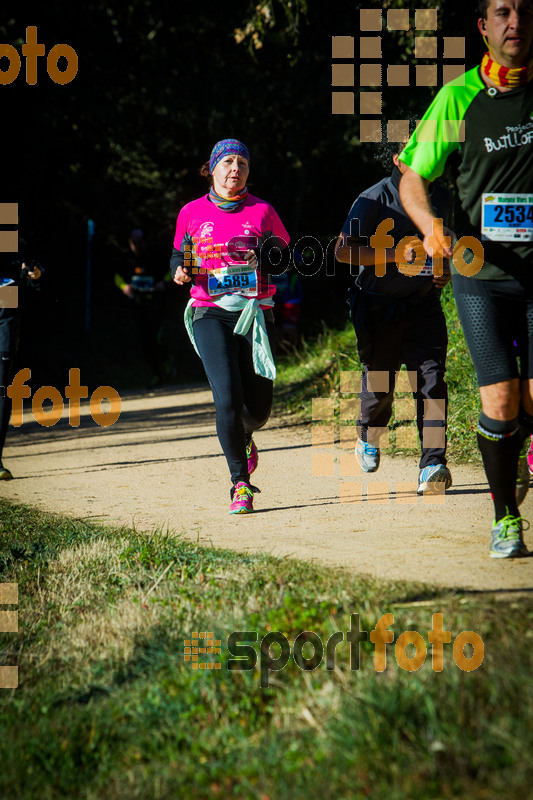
(210, 227)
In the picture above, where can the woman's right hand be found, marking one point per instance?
(181, 276)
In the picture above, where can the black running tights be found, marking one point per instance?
(243, 400)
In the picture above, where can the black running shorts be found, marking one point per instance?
(497, 320)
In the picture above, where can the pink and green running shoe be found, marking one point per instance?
(252, 455)
(242, 498)
(530, 457)
(523, 478)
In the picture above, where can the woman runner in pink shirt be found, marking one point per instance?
(222, 246)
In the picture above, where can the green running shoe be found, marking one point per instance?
(506, 540)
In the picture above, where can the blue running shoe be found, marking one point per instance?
(434, 479)
(506, 540)
(367, 456)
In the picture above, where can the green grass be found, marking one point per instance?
(314, 371)
(108, 708)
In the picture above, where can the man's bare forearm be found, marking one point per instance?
(438, 241)
(415, 200)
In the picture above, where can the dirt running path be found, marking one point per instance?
(160, 464)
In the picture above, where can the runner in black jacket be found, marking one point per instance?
(398, 320)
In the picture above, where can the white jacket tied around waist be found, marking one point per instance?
(251, 312)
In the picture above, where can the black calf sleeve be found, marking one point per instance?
(499, 442)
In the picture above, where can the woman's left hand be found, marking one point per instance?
(181, 276)
(251, 258)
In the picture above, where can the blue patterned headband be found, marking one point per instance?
(227, 147)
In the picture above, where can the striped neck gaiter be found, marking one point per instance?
(228, 203)
(507, 76)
